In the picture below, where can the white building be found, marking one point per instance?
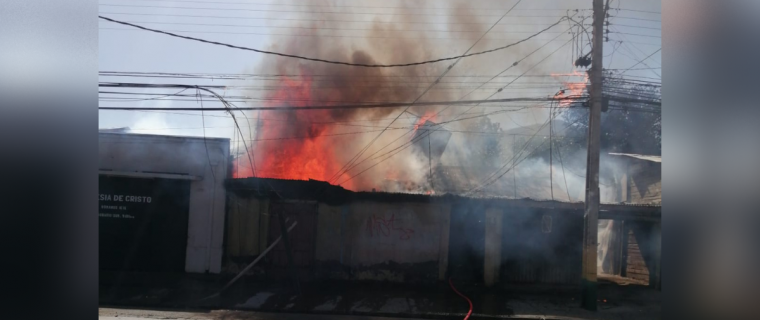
(162, 202)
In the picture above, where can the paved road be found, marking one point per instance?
(135, 314)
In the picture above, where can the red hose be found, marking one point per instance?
(463, 296)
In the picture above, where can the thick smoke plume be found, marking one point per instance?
(316, 144)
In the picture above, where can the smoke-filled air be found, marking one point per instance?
(345, 146)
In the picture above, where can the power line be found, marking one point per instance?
(322, 12)
(631, 26)
(642, 60)
(636, 42)
(647, 68)
(264, 119)
(437, 126)
(274, 77)
(346, 166)
(514, 164)
(298, 19)
(635, 58)
(330, 61)
(309, 35)
(406, 145)
(640, 19)
(328, 28)
(639, 35)
(632, 10)
(485, 181)
(335, 134)
(360, 106)
(635, 47)
(451, 86)
(310, 12)
(507, 69)
(365, 105)
(343, 6)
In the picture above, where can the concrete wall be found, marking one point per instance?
(205, 163)
(382, 241)
(405, 238)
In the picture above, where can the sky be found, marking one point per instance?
(266, 24)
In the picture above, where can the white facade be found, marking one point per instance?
(190, 158)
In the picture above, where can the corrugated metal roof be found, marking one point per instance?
(657, 159)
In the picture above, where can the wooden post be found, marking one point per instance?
(289, 252)
(656, 249)
(591, 213)
(493, 238)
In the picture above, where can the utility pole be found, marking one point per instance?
(430, 163)
(551, 152)
(514, 163)
(591, 213)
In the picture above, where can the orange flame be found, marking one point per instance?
(308, 154)
(429, 115)
(575, 88)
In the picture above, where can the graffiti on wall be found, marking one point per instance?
(381, 225)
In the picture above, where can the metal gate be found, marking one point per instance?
(143, 224)
(302, 238)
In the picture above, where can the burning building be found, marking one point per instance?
(361, 148)
(414, 238)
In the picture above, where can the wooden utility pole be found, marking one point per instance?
(551, 151)
(591, 213)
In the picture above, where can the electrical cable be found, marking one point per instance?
(215, 76)
(437, 126)
(407, 144)
(344, 169)
(642, 60)
(322, 35)
(298, 19)
(485, 182)
(451, 284)
(292, 11)
(638, 35)
(331, 61)
(335, 5)
(514, 164)
(329, 28)
(632, 10)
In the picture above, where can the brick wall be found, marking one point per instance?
(636, 267)
(644, 183)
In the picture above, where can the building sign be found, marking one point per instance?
(143, 223)
(121, 206)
